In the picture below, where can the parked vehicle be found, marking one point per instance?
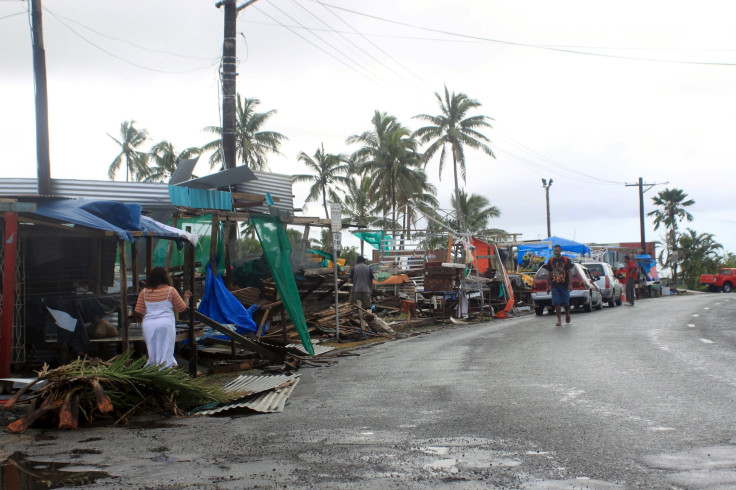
(605, 278)
(724, 281)
(585, 292)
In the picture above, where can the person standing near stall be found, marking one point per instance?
(156, 305)
(632, 276)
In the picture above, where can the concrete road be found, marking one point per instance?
(638, 397)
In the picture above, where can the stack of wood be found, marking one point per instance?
(354, 320)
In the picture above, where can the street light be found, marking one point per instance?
(546, 191)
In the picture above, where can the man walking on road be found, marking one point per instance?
(632, 275)
(559, 283)
(362, 278)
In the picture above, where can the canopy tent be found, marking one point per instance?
(533, 255)
(375, 239)
(117, 217)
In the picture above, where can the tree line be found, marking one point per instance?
(382, 184)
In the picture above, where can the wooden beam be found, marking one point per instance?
(17, 207)
(244, 341)
(124, 298)
(245, 196)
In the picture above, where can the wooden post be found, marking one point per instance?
(189, 284)
(124, 298)
(226, 241)
(170, 246)
(213, 242)
(134, 264)
(149, 254)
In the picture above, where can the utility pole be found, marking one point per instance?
(546, 191)
(229, 86)
(641, 185)
(43, 161)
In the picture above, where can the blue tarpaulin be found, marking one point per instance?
(219, 304)
(117, 217)
(545, 249)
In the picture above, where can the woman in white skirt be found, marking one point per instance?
(156, 304)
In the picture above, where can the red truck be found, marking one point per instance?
(724, 281)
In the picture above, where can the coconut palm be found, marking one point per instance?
(700, 254)
(165, 161)
(453, 129)
(389, 155)
(417, 200)
(475, 211)
(328, 170)
(253, 145)
(136, 162)
(671, 204)
(357, 205)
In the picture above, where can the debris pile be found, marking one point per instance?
(89, 388)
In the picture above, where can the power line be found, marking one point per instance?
(374, 44)
(526, 45)
(120, 57)
(324, 41)
(12, 15)
(210, 58)
(342, 35)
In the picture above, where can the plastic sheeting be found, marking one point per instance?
(277, 250)
(374, 239)
(219, 304)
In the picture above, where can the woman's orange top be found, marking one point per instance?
(157, 295)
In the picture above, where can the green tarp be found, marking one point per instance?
(373, 238)
(277, 250)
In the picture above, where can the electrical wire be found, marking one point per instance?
(314, 44)
(12, 15)
(525, 45)
(343, 36)
(552, 165)
(123, 59)
(375, 45)
(138, 46)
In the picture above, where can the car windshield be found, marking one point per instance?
(595, 269)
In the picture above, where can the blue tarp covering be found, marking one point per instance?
(219, 304)
(545, 250)
(646, 262)
(118, 217)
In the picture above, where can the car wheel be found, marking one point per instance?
(612, 301)
(600, 304)
(539, 310)
(589, 305)
(619, 301)
(726, 287)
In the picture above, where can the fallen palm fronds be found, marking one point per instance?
(120, 388)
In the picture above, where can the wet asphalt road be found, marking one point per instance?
(637, 397)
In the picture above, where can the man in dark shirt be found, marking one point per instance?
(362, 278)
(558, 282)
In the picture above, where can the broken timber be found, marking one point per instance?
(258, 347)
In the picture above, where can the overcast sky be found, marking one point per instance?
(591, 94)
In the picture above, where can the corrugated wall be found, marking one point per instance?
(150, 195)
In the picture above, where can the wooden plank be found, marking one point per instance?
(18, 207)
(244, 341)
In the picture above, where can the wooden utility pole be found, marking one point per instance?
(229, 90)
(546, 191)
(42, 104)
(641, 185)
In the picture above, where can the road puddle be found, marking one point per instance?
(19, 472)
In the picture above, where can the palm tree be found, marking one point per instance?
(475, 211)
(357, 205)
(700, 255)
(417, 199)
(136, 162)
(453, 128)
(389, 155)
(252, 143)
(166, 160)
(327, 171)
(672, 204)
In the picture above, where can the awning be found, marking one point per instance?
(117, 217)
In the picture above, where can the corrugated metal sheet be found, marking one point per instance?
(251, 384)
(150, 195)
(318, 349)
(269, 401)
